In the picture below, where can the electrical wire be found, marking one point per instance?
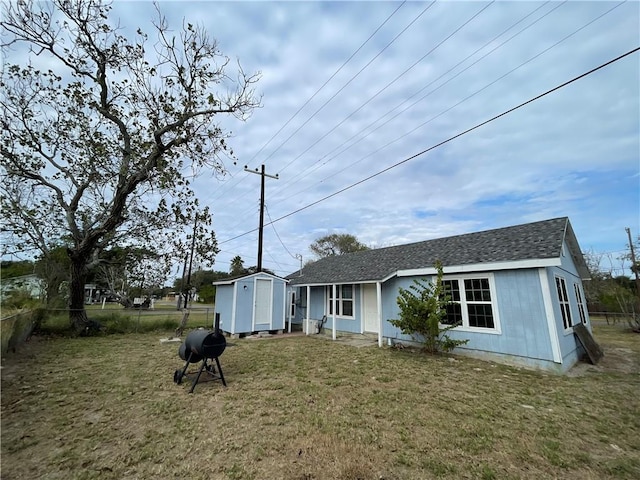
(316, 93)
(327, 81)
(277, 234)
(345, 85)
(448, 140)
(398, 77)
(453, 106)
(310, 170)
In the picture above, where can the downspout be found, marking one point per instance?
(335, 304)
(306, 320)
(233, 308)
(379, 302)
(288, 306)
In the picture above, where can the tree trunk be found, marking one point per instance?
(77, 313)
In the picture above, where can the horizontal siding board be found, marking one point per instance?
(521, 309)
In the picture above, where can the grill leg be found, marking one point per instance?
(193, 385)
(179, 378)
(220, 370)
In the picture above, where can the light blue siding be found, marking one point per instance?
(570, 348)
(224, 306)
(519, 306)
(243, 309)
(278, 306)
(244, 305)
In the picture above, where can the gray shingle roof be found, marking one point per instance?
(531, 241)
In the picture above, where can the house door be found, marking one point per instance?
(262, 312)
(370, 308)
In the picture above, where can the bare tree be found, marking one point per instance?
(98, 142)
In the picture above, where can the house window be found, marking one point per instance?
(583, 316)
(292, 310)
(344, 300)
(471, 303)
(563, 299)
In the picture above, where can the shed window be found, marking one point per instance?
(563, 300)
(471, 303)
(580, 302)
(344, 300)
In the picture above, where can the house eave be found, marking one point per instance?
(451, 269)
(480, 267)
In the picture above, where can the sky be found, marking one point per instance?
(350, 89)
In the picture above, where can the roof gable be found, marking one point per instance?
(231, 280)
(531, 241)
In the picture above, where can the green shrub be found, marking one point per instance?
(422, 311)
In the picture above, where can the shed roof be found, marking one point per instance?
(232, 280)
(541, 240)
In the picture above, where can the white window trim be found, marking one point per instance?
(567, 330)
(582, 312)
(497, 326)
(339, 300)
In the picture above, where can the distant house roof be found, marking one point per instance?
(530, 244)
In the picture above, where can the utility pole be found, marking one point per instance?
(261, 227)
(299, 257)
(193, 244)
(633, 261)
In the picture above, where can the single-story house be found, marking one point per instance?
(251, 303)
(517, 292)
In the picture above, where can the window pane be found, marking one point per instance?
(452, 287)
(347, 291)
(480, 315)
(454, 314)
(477, 290)
(563, 299)
(347, 308)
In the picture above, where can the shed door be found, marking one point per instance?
(370, 308)
(263, 301)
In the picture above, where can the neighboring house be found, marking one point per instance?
(252, 303)
(30, 284)
(517, 291)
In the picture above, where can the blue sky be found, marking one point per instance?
(451, 66)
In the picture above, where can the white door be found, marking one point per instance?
(370, 308)
(262, 312)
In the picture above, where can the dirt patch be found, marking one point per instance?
(615, 360)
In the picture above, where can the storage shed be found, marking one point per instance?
(252, 303)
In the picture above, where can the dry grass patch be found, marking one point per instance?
(304, 408)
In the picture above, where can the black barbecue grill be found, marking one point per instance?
(202, 346)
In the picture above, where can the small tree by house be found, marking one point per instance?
(423, 311)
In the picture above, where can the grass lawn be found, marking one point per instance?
(307, 408)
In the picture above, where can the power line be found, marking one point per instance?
(318, 164)
(390, 83)
(450, 139)
(327, 81)
(451, 107)
(278, 235)
(240, 178)
(346, 84)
